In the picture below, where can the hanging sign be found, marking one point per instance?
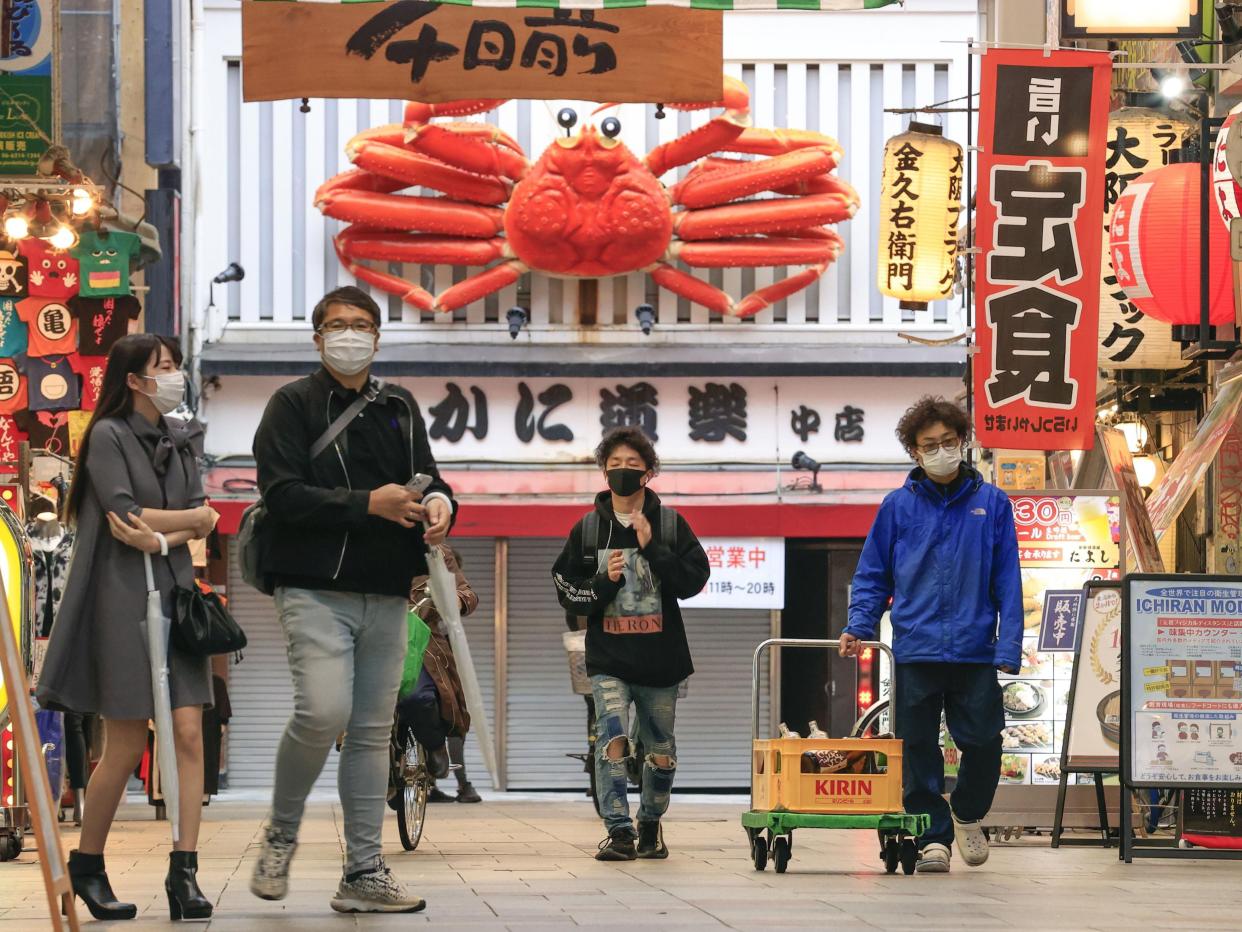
(1043, 127)
(437, 52)
(1126, 19)
(1139, 534)
(747, 572)
(1139, 140)
(29, 117)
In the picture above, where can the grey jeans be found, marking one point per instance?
(346, 653)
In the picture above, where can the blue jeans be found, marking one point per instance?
(656, 708)
(970, 697)
(346, 651)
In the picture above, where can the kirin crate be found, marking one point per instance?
(779, 783)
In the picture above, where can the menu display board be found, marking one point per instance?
(1095, 697)
(1182, 681)
(1065, 539)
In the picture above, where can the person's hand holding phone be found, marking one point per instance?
(396, 503)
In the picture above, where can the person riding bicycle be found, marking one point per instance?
(435, 710)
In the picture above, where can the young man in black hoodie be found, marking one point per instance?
(627, 580)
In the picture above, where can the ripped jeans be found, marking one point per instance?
(655, 707)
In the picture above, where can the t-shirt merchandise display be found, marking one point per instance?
(53, 272)
(103, 321)
(12, 385)
(104, 259)
(13, 333)
(52, 384)
(91, 370)
(48, 430)
(53, 328)
(10, 438)
(13, 274)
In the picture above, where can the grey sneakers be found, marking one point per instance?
(376, 891)
(270, 880)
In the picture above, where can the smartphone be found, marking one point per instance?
(419, 483)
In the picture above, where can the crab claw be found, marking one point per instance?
(418, 112)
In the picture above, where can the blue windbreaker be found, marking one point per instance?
(950, 567)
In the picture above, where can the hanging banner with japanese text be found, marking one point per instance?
(747, 572)
(1043, 126)
(437, 52)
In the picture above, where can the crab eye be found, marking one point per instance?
(567, 117)
(611, 127)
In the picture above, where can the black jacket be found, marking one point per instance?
(314, 514)
(629, 634)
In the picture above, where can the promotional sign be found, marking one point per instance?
(1144, 548)
(1064, 540)
(436, 52)
(747, 572)
(29, 117)
(1043, 125)
(1094, 718)
(1182, 675)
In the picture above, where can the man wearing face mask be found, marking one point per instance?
(944, 552)
(624, 566)
(343, 537)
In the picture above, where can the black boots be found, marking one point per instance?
(90, 883)
(185, 899)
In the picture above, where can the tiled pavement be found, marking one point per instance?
(525, 864)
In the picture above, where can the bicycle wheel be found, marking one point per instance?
(415, 784)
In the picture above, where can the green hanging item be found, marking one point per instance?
(420, 637)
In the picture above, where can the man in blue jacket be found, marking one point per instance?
(944, 551)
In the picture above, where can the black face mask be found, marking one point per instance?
(625, 482)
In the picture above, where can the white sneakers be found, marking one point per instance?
(934, 859)
(270, 880)
(972, 844)
(376, 892)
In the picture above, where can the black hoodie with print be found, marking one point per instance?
(635, 631)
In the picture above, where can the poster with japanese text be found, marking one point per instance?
(1094, 720)
(1043, 126)
(747, 572)
(1064, 541)
(1182, 674)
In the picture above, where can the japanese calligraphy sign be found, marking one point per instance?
(1043, 123)
(1139, 140)
(29, 115)
(436, 52)
(747, 572)
(1181, 649)
(1059, 631)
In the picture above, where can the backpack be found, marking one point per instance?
(255, 516)
(591, 526)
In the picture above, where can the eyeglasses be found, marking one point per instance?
(947, 445)
(358, 326)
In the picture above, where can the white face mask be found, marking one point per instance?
(942, 463)
(169, 391)
(348, 352)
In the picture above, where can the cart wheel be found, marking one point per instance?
(759, 852)
(781, 853)
(909, 855)
(10, 847)
(892, 854)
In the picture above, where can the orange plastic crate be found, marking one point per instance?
(778, 783)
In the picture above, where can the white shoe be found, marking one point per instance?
(972, 844)
(270, 880)
(375, 892)
(934, 859)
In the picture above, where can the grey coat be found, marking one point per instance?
(97, 655)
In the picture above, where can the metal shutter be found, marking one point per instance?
(546, 720)
(479, 564)
(260, 692)
(262, 695)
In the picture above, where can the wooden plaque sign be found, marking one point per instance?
(423, 50)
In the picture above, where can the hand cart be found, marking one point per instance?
(837, 783)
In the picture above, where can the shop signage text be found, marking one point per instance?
(747, 572)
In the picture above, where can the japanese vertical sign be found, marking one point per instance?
(436, 52)
(28, 111)
(1043, 125)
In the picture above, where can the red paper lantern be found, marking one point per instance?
(1154, 242)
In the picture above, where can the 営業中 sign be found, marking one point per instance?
(1043, 122)
(436, 52)
(747, 572)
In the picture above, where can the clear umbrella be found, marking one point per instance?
(442, 584)
(156, 627)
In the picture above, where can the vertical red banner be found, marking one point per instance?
(1043, 125)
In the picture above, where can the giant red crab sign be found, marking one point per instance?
(588, 208)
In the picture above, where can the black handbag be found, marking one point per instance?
(202, 625)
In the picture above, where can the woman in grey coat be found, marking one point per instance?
(136, 490)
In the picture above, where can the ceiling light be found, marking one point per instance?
(16, 226)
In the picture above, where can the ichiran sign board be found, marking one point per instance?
(435, 52)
